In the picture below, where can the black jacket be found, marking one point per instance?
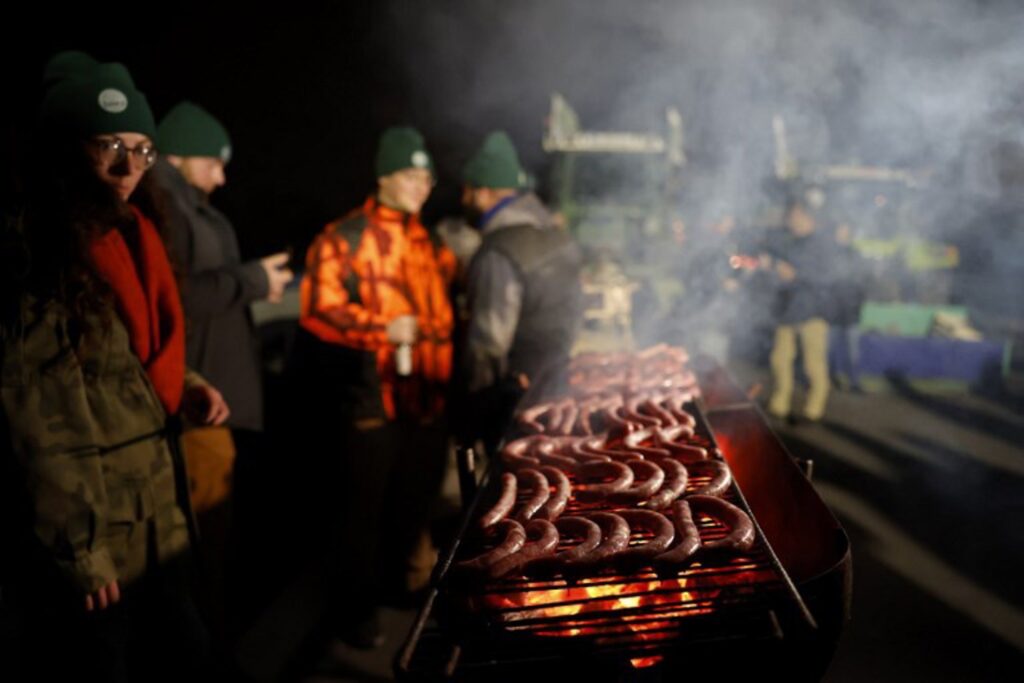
(216, 290)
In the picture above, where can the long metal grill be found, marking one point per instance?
(637, 618)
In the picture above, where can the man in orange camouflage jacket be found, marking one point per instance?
(374, 348)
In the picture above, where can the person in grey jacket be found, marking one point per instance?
(217, 288)
(523, 287)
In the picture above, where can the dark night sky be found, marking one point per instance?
(306, 89)
(304, 92)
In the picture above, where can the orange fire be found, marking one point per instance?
(616, 609)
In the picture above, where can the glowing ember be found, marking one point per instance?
(645, 662)
(605, 607)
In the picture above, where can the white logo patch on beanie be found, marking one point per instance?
(420, 159)
(225, 153)
(113, 101)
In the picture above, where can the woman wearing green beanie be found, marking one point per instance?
(92, 352)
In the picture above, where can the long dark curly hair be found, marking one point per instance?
(63, 207)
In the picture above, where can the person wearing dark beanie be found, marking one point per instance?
(375, 353)
(95, 380)
(217, 291)
(523, 289)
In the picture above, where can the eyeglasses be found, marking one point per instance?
(113, 151)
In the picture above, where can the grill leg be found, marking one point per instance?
(465, 462)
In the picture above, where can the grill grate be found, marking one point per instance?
(638, 617)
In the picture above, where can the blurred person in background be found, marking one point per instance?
(801, 259)
(372, 361)
(523, 289)
(217, 290)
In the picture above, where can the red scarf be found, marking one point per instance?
(148, 303)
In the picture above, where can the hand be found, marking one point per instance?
(402, 330)
(278, 275)
(204, 405)
(103, 597)
(785, 271)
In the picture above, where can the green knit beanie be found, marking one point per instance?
(188, 130)
(401, 147)
(67, 64)
(103, 101)
(495, 165)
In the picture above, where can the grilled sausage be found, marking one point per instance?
(529, 417)
(597, 446)
(570, 411)
(614, 539)
(519, 453)
(622, 480)
(657, 524)
(631, 412)
(721, 478)
(537, 484)
(577, 527)
(584, 450)
(513, 537)
(687, 539)
(741, 530)
(545, 452)
(542, 539)
(556, 503)
(503, 506)
(676, 477)
(651, 478)
(652, 407)
(674, 403)
(687, 453)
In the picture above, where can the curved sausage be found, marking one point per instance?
(685, 452)
(586, 409)
(631, 412)
(674, 403)
(537, 483)
(513, 537)
(576, 527)
(542, 540)
(556, 503)
(676, 477)
(673, 433)
(651, 478)
(519, 453)
(634, 439)
(544, 451)
(655, 522)
(570, 411)
(504, 504)
(584, 450)
(617, 426)
(687, 539)
(721, 477)
(614, 539)
(666, 418)
(616, 454)
(622, 479)
(741, 530)
(652, 453)
(529, 417)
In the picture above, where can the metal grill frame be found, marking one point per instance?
(469, 641)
